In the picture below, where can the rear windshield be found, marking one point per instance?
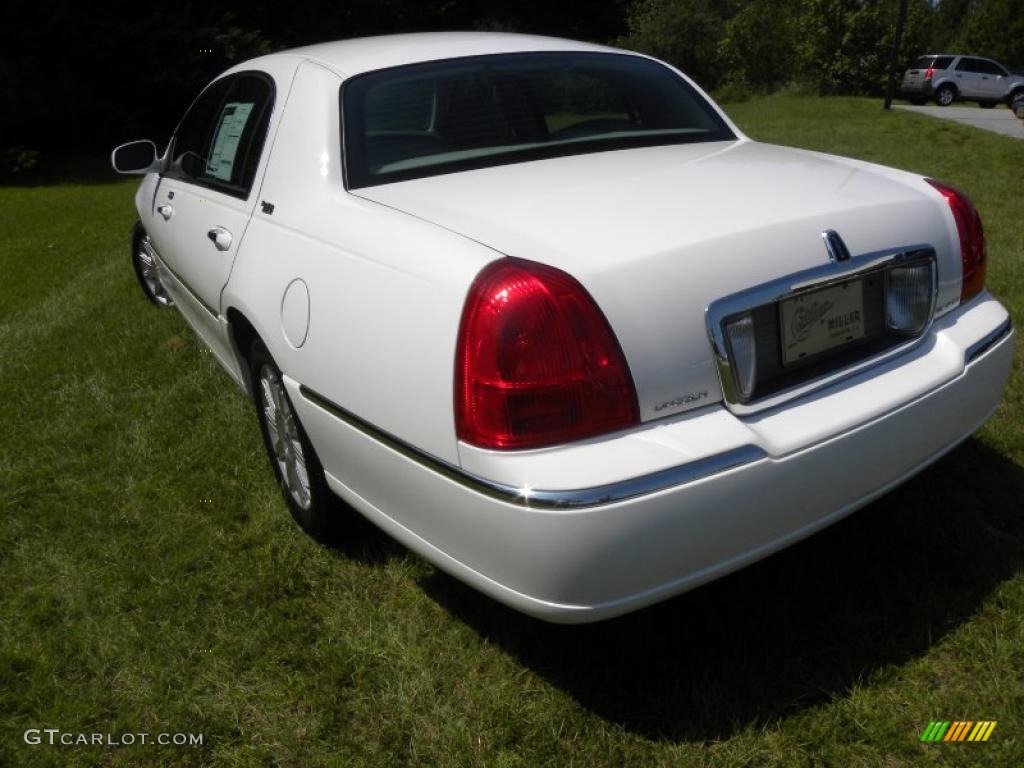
(936, 62)
(481, 111)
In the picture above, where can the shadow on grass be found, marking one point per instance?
(357, 539)
(792, 631)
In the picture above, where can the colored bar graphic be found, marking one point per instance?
(935, 730)
(959, 730)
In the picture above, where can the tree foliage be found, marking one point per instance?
(78, 78)
(686, 33)
(834, 46)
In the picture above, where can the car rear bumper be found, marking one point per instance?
(680, 501)
(922, 90)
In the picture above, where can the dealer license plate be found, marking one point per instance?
(821, 320)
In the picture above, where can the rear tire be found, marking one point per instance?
(945, 95)
(298, 470)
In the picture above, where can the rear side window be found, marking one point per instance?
(932, 62)
(475, 112)
(219, 141)
(967, 65)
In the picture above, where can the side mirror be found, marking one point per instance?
(135, 157)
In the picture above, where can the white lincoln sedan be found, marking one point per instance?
(541, 311)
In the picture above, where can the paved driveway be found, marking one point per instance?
(998, 119)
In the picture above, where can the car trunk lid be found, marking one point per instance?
(656, 234)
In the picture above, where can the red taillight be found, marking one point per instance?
(972, 239)
(928, 73)
(537, 363)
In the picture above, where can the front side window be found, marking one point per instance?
(454, 115)
(987, 67)
(219, 141)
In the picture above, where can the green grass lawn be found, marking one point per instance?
(152, 581)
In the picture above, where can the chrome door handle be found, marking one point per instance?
(166, 211)
(220, 237)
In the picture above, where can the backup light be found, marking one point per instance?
(908, 299)
(739, 334)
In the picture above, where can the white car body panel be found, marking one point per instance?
(193, 269)
(388, 304)
(656, 239)
(358, 296)
(354, 57)
(579, 565)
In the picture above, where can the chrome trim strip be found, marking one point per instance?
(540, 499)
(148, 245)
(811, 279)
(978, 348)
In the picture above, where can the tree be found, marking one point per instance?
(757, 47)
(995, 29)
(686, 33)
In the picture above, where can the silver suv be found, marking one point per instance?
(948, 77)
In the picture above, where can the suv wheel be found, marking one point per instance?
(1017, 104)
(945, 95)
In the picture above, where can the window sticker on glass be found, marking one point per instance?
(225, 143)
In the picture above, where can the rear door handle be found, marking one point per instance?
(166, 211)
(220, 237)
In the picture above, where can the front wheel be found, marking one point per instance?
(296, 465)
(145, 269)
(1017, 103)
(945, 96)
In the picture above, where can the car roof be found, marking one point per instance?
(363, 54)
(955, 55)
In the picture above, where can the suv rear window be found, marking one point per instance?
(935, 62)
(457, 114)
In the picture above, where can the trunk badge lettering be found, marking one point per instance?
(686, 399)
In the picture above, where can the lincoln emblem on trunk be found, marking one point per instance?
(837, 250)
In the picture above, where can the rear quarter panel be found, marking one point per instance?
(386, 289)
